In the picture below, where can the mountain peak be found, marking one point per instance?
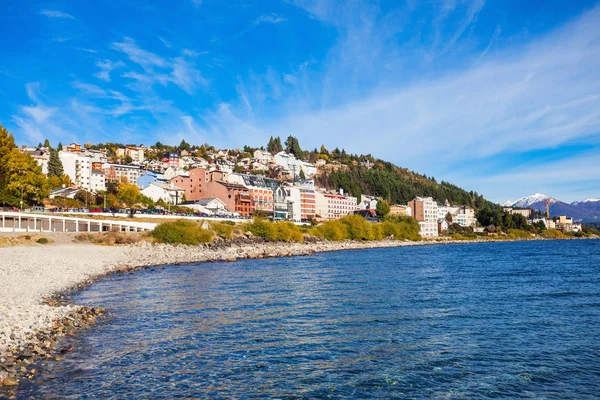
(525, 202)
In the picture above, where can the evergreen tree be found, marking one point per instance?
(55, 166)
(323, 150)
(47, 144)
(59, 147)
(271, 145)
(184, 145)
(293, 146)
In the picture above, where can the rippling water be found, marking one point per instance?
(502, 320)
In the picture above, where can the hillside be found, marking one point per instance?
(397, 185)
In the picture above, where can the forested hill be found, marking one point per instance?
(364, 174)
(397, 185)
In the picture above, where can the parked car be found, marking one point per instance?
(96, 210)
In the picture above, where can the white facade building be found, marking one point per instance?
(340, 205)
(78, 168)
(169, 193)
(425, 211)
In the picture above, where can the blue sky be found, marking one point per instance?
(502, 97)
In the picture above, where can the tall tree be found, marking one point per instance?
(293, 146)
(383, 208)
(59, 147)
(184, 145)
(55, 166)
(47, 144)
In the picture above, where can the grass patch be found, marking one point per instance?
(518, 234)
(181, 232)
(278, 231)
(553, 234)
(111, 238)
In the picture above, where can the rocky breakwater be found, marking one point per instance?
(146, 254)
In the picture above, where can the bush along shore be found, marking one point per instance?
(23, 343)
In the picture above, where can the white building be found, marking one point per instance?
(465, 216)
(263, 157)
(425, 211)
(339, 205)
(292, 194)
(368, 202)
(290, 163)
(97, 181)
(169, 193)
(78, 168)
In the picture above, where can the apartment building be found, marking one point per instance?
(194, 183)
(237, 197)
(77, 167)
(424, 210)
(122, 172)
(339, 205)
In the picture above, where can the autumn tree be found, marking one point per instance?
(21, 179)
(383, 208)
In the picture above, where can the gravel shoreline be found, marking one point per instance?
(34, 314)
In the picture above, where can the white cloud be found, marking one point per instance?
(56, 14)
(106, 67)
(270, 19)
(178, 70)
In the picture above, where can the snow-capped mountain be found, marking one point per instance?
(587, 210)
(526, 202)
(585, 201)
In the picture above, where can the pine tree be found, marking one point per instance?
(59, 147)
(55, 166)
(293, 146)
(271, 145)
(47, 144)
(278, 145)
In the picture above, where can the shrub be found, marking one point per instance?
(181, 232)
(518, 234)
(331, 230)
(288, 232)
(357, 227)
(552, 233)
(223, 229)
(262, 228)
(42, 240)
(27, 237)
(281, 231)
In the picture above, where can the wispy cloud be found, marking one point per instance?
(56, 14)
(270, 19)
(179, 70)
(473, 9)
(106, 67)
(197, 3)
(520, 99)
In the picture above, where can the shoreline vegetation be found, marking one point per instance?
(36, 311)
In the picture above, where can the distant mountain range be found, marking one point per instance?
(587, 210)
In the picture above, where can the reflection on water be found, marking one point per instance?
(478, 321)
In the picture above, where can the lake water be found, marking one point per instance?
(500, 320)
